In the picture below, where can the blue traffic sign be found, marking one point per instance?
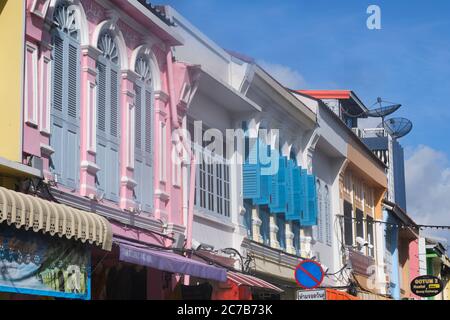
(309, 274)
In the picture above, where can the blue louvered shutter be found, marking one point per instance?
(278, 191)
(293, 213)
(265, 179)
(289, 191)
(65, 125)
(251, 172)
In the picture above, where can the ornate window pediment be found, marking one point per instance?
(108, 47)
(142, 68)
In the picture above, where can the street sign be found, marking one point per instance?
(319, 294)
(309, 274)
(426, 286)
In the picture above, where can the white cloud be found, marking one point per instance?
(428, 187)
(285, 75)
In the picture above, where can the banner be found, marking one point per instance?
(34, 263)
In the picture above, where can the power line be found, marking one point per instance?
(396, 225)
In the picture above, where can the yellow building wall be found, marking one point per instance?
(12, 25)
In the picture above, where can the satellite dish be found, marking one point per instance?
(382, 110)
(397, 127)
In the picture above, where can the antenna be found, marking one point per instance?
(397, 127)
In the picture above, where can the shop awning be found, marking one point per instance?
(169, 261)
(30, 212)
(246, 280)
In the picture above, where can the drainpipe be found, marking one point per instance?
(173, 106)
(176, 125)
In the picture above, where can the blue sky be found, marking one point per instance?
(326, 45)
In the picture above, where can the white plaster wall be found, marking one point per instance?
(199, 49)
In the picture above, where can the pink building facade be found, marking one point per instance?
(102, 98)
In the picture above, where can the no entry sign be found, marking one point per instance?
(309, 274)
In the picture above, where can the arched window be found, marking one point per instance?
(108, 117)
(65, 111)
(143, 153)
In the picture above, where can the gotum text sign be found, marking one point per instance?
(426, 286)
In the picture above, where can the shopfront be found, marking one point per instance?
(135, 270)
(45, 247)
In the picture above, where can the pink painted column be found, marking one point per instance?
(127, 183)
(161, 156)
(88, 121)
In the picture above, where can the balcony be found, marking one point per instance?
(361, 263)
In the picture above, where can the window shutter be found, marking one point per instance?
(250, 173)
(311, 217)
(138, 117)
(148, 123)
(113, 170)
(304, 197)
(58, 74)
(114, 106)
(138, 157)
(101, 126)
(265, 180)
(147, 178)
(327, 216)
(71, 132)
(143, 152)
(57, 118)
(101, 98)
(290, 208)
(321, 211)
(278, 191)
(108, 128)
(294, 200)
(65, 109)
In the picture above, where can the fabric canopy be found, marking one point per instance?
(246, 280)
(168, 261)
(30, 212)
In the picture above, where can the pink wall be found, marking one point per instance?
(414, 261)
(167, 198)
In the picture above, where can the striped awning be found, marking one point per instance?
(246, 280)
(30, 212)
